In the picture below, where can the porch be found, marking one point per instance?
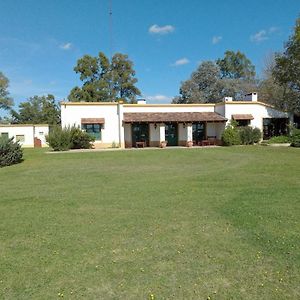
(177, 129)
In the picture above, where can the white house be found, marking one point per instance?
(141, 124)
(28, 135)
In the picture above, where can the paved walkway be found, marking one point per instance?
(129, 149)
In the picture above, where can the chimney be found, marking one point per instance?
(141, 101)
(227, 99)
(251, 97)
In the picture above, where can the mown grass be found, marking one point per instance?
(219, 223)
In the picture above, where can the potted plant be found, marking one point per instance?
(189, 144)
(163, 144)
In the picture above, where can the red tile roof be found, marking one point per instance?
(173, 117)
(242, 117)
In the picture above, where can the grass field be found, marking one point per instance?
(218, 223)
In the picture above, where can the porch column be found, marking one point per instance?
(120, 111)
(189, 132)
(162, 133)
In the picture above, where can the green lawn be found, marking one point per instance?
(218, 223)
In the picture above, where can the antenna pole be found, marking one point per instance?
(110, 29)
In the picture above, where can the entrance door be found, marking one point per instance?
(198, 132)
(171, 134)
(140, 133)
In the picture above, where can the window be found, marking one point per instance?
(41, 133)
(274, 127)
(242, 123)
(20, 138)
(93, 129)
(4, 135)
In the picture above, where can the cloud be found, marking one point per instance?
(66, 46)
(155, 29)
(159, 98)
(216, 39)
(263, 34)
(180, 62)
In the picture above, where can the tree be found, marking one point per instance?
(233, 76)
(236, 65)
(37, 110)
(287, 71)
(104, 80)
(5, 101)
(269, 90)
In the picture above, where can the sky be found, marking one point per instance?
(41, 40)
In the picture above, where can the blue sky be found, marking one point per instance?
(41, 40)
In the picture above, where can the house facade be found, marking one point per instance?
(142, 124)
(28, 135)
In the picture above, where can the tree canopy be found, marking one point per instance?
(37, 110)
(104, 80)
(236, 65)
(231, 76)
(6, 102)
(286, 71)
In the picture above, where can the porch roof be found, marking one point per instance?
(182, 117)
(242, 117)
(92, 120)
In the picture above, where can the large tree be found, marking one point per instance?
(287, 71)
(231, 76)
(37, 110)
(6, 102)
(104, 80)
(236, 65)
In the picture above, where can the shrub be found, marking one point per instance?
(10, 152)
(295, 137)
(231, 135)
(249, 135)
(282, 139)
(80, 139)
(59, 139)
(63, 139)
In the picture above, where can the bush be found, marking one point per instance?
(59, 139)
(249, 135)
(282, 139)
(295, 137)
(231, 135)
(63, 139)
(10, 152)
(80, 139)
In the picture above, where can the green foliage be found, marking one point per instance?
(10, 152)
(38, 110)
(231, 135)
(282, 139)
(104, 80)
(287, 71)
(236, 65)
(5, 101)
(80, 139)
(295, 137)
(63, 139)
(249, 135)
(232, 76)
(59, 139)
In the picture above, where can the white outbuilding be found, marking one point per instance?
(28, 135)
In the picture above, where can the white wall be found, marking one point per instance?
(71, 114)
(131, 108)
(29, 132)
(257, 110)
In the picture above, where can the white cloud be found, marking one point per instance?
(263, 34)
(159, 98)
(259, 36)
(216, 39)
(155, 29)
(181, 62)
(66, 46)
